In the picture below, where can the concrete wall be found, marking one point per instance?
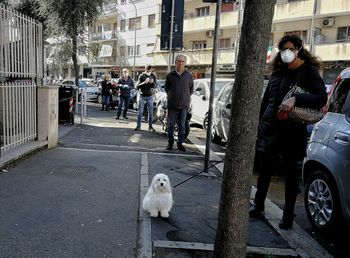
(48, 115)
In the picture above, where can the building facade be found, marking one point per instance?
(328, 19)
(122, 37)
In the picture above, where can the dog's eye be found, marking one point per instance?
(164, 180)
(158, 179)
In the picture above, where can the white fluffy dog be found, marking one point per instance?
(158, 197)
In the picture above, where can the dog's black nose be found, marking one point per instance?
(161, 184)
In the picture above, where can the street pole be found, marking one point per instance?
(212, 85)
(171, 34)
(238, 34)
(134, 68)
(312, 34)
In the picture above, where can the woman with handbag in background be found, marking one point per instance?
(279, 135)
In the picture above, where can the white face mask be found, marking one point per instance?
(287, 56)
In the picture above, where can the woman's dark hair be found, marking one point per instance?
(303, 53)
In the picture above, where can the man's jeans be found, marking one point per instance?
(176, 116)
(123, 100)
(149, 102)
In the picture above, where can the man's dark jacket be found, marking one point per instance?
(146, 89)
(179, 89)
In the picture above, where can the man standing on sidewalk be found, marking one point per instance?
(106, 86)
(125, 85)
(179, 88)
(146, 85)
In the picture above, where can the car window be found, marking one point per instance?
(338, 97)
(225, 96)
(346, 108)
(67, 82)
(218, 86)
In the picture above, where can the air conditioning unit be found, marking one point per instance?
(328, 22)
(210, 33)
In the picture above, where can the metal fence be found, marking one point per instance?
(21, 69)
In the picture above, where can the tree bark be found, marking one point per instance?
(232, 229)
(75, 59)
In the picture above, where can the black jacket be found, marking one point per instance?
(106, 86)
(146, 89)
(179, 89)
(274, 134)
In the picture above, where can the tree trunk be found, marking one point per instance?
(232, 229)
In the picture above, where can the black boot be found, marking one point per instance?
(256, 210)
(286, 221)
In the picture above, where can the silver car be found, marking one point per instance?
(326, 169)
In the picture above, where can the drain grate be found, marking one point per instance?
(70, 170)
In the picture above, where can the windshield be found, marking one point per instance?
(82, 84)
(219, 86)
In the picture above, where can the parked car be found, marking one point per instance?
(200, 99)
(327, 165)
(90, 82)
(222, 113)
(159, 94)
(91, 91)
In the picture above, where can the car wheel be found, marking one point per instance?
(215, 138)
(322, 202)
(99, 99)
(205, 122)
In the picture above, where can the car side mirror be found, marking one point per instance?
(228, 106)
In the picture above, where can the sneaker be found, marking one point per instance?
(181, 147)
(117, 117)
(256, 211)
(125, 117)
(169, 147)
(151, 129)
(137, 128)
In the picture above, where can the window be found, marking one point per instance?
(115, 26)
(199, 44)
(131, 50)
(343, 34)
(300, 33)
(226, 94)
(151, 20)
(122, 50)
(203, 11)
(224, 43)
(122, 25)
(132, 23)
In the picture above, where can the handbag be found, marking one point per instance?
(300, 114)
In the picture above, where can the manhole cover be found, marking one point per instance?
(70, 170)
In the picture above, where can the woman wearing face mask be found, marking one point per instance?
(277, 136)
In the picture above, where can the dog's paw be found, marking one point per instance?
(154, 213)
(164, 214)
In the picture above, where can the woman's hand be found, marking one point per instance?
(287, 105)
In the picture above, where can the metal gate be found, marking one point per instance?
(21, 69)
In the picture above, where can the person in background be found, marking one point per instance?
(125, 85)
(146, 85)
(293, 65)
(106, 87)
(179, 88)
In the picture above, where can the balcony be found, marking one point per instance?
(103, 61)
(192, 23)
(333, 51)
(298, 10)
(106, 35)
(197, 57)
(333, 7)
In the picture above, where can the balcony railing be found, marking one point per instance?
(106, 35)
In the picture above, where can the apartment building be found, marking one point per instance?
(122, 36)
(331, 23)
